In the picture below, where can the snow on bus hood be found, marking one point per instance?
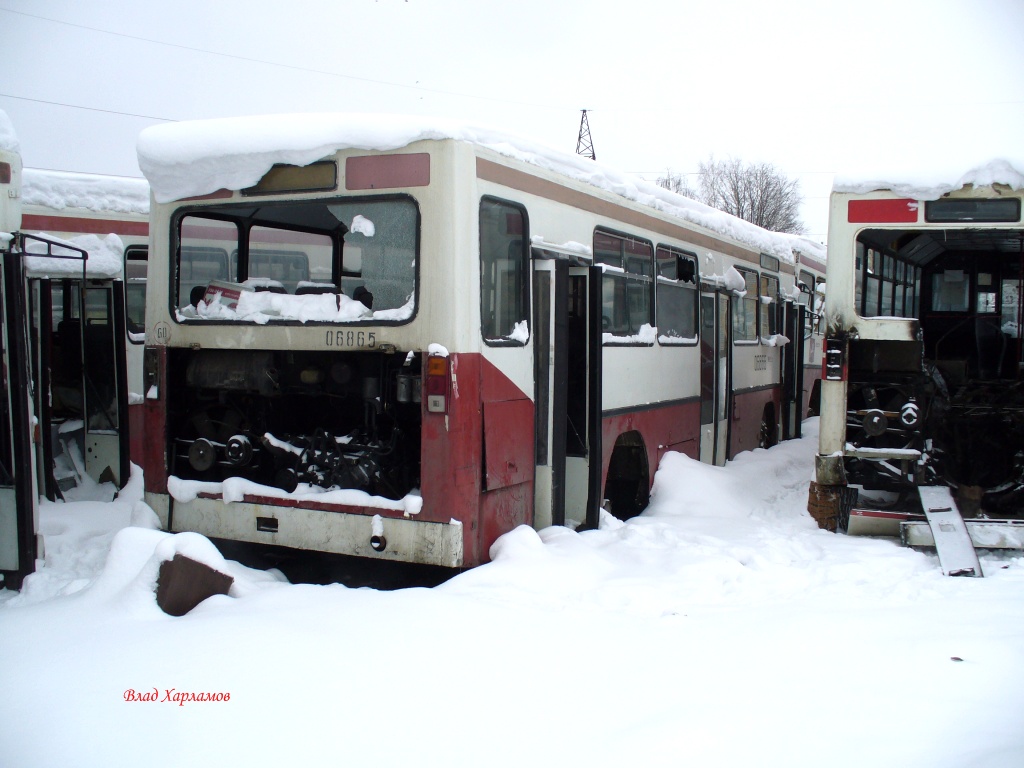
(939, 176)
(193, 158)
(105, 254)
(63, 189)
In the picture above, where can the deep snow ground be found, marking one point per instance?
(721, 628)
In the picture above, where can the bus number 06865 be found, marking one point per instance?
(351, 339)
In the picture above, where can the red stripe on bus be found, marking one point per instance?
(84, 226)
(882, 211)
(807, 261)
(385, 171)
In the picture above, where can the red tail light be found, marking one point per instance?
(436, 384)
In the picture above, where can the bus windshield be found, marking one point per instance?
(334, 260)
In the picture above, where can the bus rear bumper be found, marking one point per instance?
(362, 533)
(913, 530)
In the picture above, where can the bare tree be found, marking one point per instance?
(676, 182)
(759, 193)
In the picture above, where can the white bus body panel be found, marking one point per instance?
(408, 540)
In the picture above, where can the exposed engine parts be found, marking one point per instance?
(970, 438)
(348, 420)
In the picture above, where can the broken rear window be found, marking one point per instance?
(338, 260)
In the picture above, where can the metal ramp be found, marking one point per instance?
(952, 541)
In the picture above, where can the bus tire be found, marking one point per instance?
(769, 434)
(627, 487)
(814, 403)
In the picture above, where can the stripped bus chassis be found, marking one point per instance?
(969, 437)
(947, 409)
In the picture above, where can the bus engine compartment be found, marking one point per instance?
(947, 408)
(285, 418)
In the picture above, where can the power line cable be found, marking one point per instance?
(90, 109)
(294, 67)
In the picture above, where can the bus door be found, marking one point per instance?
(792, 369)
(18, 495)
(82, 394)
(565, 398)
(715, 376)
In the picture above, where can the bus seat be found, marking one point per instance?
(271, 289)
(196, 295)
(362, 295)
(310, 288)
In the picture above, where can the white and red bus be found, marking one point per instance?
(923, 384)
(19, 510)
(71, 243)
(388, 339)
(64, 206)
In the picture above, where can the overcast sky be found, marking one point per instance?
(813, 87)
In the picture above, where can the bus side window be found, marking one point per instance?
(676, 294)
(769, 304)
(201, 254)
(504, 272)
(135, 267)
(744, 314)
(950, 291)
(626, 289)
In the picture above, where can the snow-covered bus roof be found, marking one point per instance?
(105, 255)
(942, 175)
(805, 246)
(194, 158)
(60, 190)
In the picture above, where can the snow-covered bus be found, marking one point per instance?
(18, 495)
(72, 338)
(393, 339)
(85, 210)
(922, 384)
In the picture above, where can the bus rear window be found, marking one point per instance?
(955, 209)
(328, 261)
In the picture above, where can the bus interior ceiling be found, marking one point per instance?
(281, 418)
(964, 408)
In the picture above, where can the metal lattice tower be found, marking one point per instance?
(584, 144)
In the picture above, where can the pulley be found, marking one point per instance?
(875, 423)
(201, 455)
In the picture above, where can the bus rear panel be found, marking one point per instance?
(922, 376)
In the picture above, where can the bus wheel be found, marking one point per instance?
(814, 403)
(769, 434)
(627, 488)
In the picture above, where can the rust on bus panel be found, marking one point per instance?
(479, 466)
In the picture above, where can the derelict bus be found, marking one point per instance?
(389, 339)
